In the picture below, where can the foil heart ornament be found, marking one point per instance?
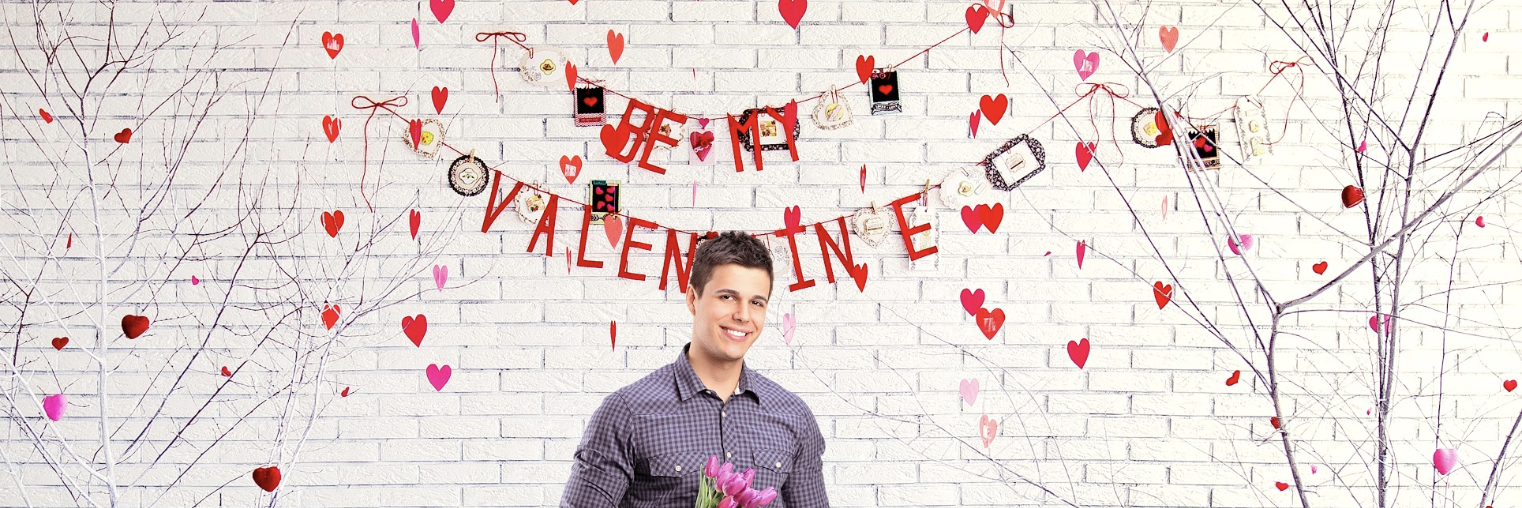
(1352, 195)
(54, 406)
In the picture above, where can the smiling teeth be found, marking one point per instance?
(732, 333)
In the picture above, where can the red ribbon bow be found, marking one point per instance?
(395, 102)
(515, 37)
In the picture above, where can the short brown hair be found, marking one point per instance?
(730, 248)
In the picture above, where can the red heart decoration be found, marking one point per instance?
(1510, 384)
(570, 76)
(441, 9)
(1485, 38)
(991, 216)
(415, 129)
(440, 96)
(1236, 375)
(792, 11)
(124, 136)
(589, 101)
(972, 301)
(988, 428)
(60, 342)
(989, 322)
(415, 328)
(1281, 486)
(329, 315)
(330, 127)
(1168, 36)
(1085, 153)
(333, 222)
(971, 218)
(134, 325)
(414, 219)
(344, 393)
(570, 167)
(702, 143)
(46, 117)
(333, 43)
(225, 372)
(1479, 221)
(612, 334)
(1162, 293)
(972, 121)
(1319, 268)
(864, 66)
(885, 89)
(267, 478)
(615, 45)
(791, 216)
(1078, 352)
(1351, 196)
(860, 276)
(612, 140)
(1165, 137)
(1082, 248)
(993, 107)
(976, 15)
(613, 226)
(1274, 420)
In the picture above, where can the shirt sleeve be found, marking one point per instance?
(805, 486)
(603, 468)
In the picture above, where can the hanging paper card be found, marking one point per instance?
(468, 175)
(671, 128)
(885, 92)
(832, 112)
(700, 143)
(871, 224)
(771, 131)
(1252, 128)
(925, 214)
(963, 187)
(1205, 146)
(532, 202)
(543, 66)
(1021, 155)
(590, 110)
(1145, 127)
(429, 142)
(603, 196)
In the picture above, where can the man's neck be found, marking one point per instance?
(722, 378)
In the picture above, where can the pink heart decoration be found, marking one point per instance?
(1082, 248)
(1085, 63)
(792, 11)
(969, 390)
(972, 301)
(1079, 352)
(987, 429)
(972, 120)
(194, 280)
(1375, 325)
(54, 405)
(1246, 244)
(440, 274)
(417, 40)
(971, 218)
(614, 227)
(438, 377)
(789, 324)
(441, 9)
(1363, 145)
(1444, 459)
(1479, 221)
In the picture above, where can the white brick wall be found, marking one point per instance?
(1149, 421)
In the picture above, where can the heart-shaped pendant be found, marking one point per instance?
(532, 202)
(871, 224)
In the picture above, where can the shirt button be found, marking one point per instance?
(679, 468)
(728, 454)
(724, 414)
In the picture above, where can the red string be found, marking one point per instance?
(387, 105)
(1278, 67)
(1006, 21)
(516, 37)
(1091, 94)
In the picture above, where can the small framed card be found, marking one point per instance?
(590, 110)
(1021, 155)
(772, 136)
(603, 196)
(885, 92)
(1205, 147)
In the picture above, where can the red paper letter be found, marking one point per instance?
(654, 134)
(674, 254)
(735, 129)
(788, 119)
(623, 262)
(546, 226)
(621, 133)
(491, 215)
(826, 243)
(581, 253)
(906, 231)
(797, 264)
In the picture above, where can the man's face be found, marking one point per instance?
(734, 300)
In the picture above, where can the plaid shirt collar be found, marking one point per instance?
(688, 384)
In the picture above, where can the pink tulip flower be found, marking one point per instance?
(765, 497)
(747, 499)
(712, 468)
(728, 502)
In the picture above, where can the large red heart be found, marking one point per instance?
(330, 127)
(415, 328)
(1168, 36)
(792, 11)
(1078, 352)
(791, 216)
(414, 219)
(267, 478)
(864, 66)
(613, 140)
(991, 216)
(993, 107)
(971, 218)
(440, 96)
(976, 15)
(613, 226)
(989, 322)
(134, 325)
(1163, 294)
(972, 301)
(333, 43)
(1085, 153)
(333, 222)
(329, 315)
(60, 342)
(702, 143)
(46, 117)
(1351, 196)
(570, 167)
(124, 136)
(615, 45)
(441, 9)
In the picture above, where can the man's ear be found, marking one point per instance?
(692, 297)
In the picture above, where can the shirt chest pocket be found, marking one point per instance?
(773, 467)
(672, 466)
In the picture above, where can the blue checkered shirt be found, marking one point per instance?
(647, 443)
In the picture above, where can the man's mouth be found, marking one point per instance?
(735, 335)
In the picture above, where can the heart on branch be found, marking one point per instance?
(440, 275)
(124, 136)
(414, 219)
(1509, 385)
(1082, 248)
(329, 315)
(1319, 268)
(415, 328)
(60, 342)
(46, 117)
(1168, 36)
(330, 127)
(225, 372)
(267, 478)
(789, 325)
(1163, 294)
(134, 326)
(1236, 376)
(1085, 153)
(54, 405)
(332, 222)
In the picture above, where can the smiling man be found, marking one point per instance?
(647, 443)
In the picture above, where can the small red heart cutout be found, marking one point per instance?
(570, 76)
(615, 45)
(134, 326)
(991, 216)
(993, 108)
(329, 315)
(60, 342)
(332, 222)
(1236, 376)
(1351, 196)
(791, 216)
(1319, 268)
(124, 136)
(345, 393)
(46, 117)
(1168, 36)
(1274, 420)
(225, 372)
(1510, 384)
(1078, 352)
(414, 219)
(1162, 293)
(267, 478)
(333, 43)
(330, 127)
(971, 218)
(415, 129)
(1479, 221)
(1281, 486)
(571, 168)
(415, 328)
(976, 16)
(1085, 153)
(440, 96)
(989, 322)
(864, 66)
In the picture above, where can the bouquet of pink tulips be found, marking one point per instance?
(734, 488)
